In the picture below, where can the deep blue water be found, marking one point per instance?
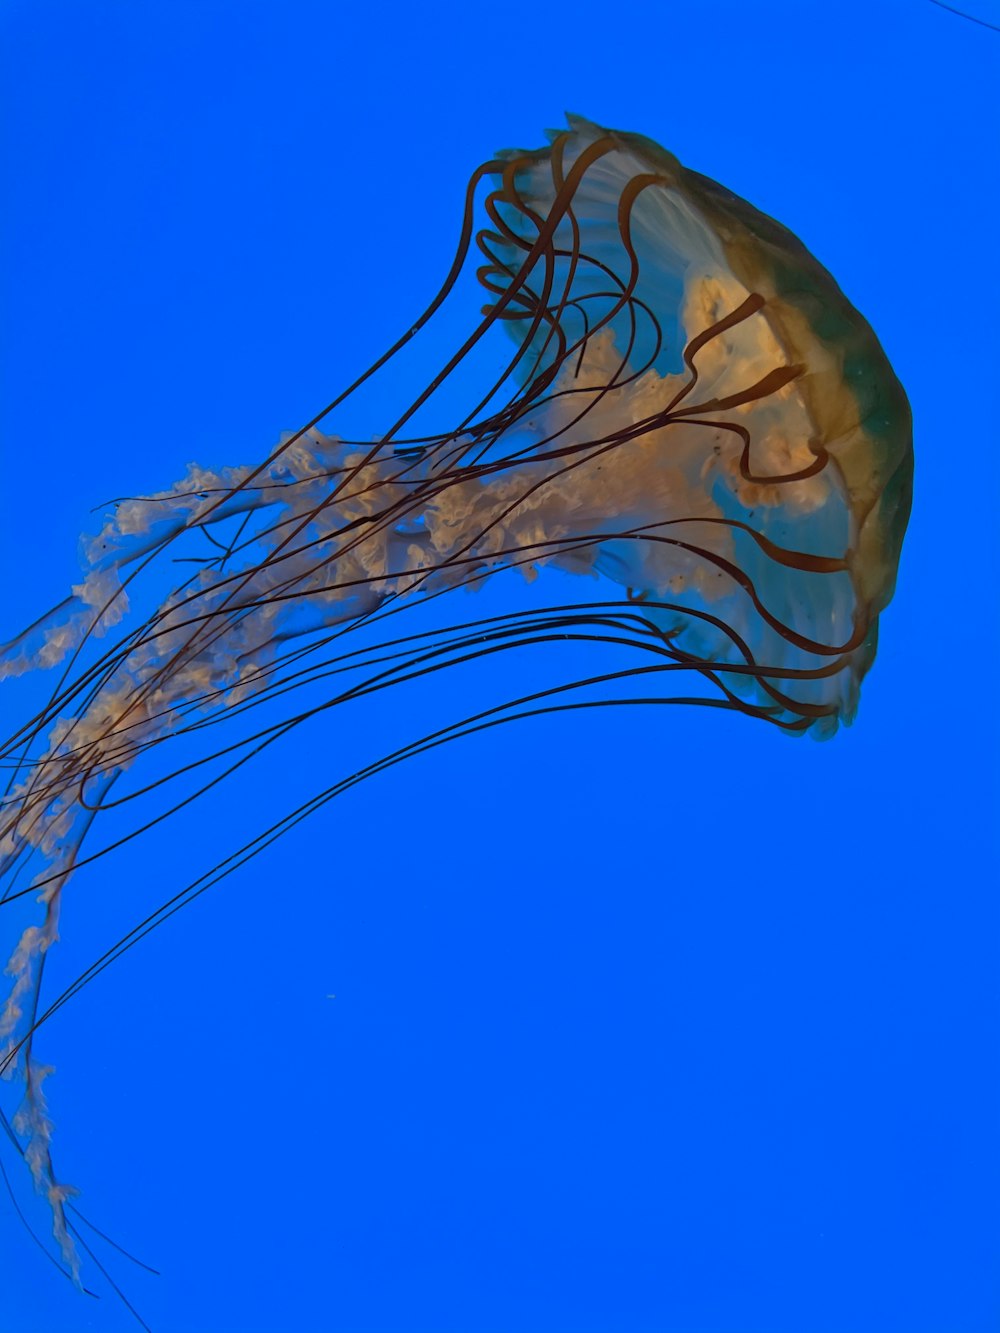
(624, 1022)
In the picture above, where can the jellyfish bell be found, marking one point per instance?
(769, 430)
(691, 414)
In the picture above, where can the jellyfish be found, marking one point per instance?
(689, 417)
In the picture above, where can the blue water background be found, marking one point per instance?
(626, 1022)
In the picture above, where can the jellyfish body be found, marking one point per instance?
(692, 412)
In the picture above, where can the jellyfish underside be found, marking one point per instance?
(692, 412)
